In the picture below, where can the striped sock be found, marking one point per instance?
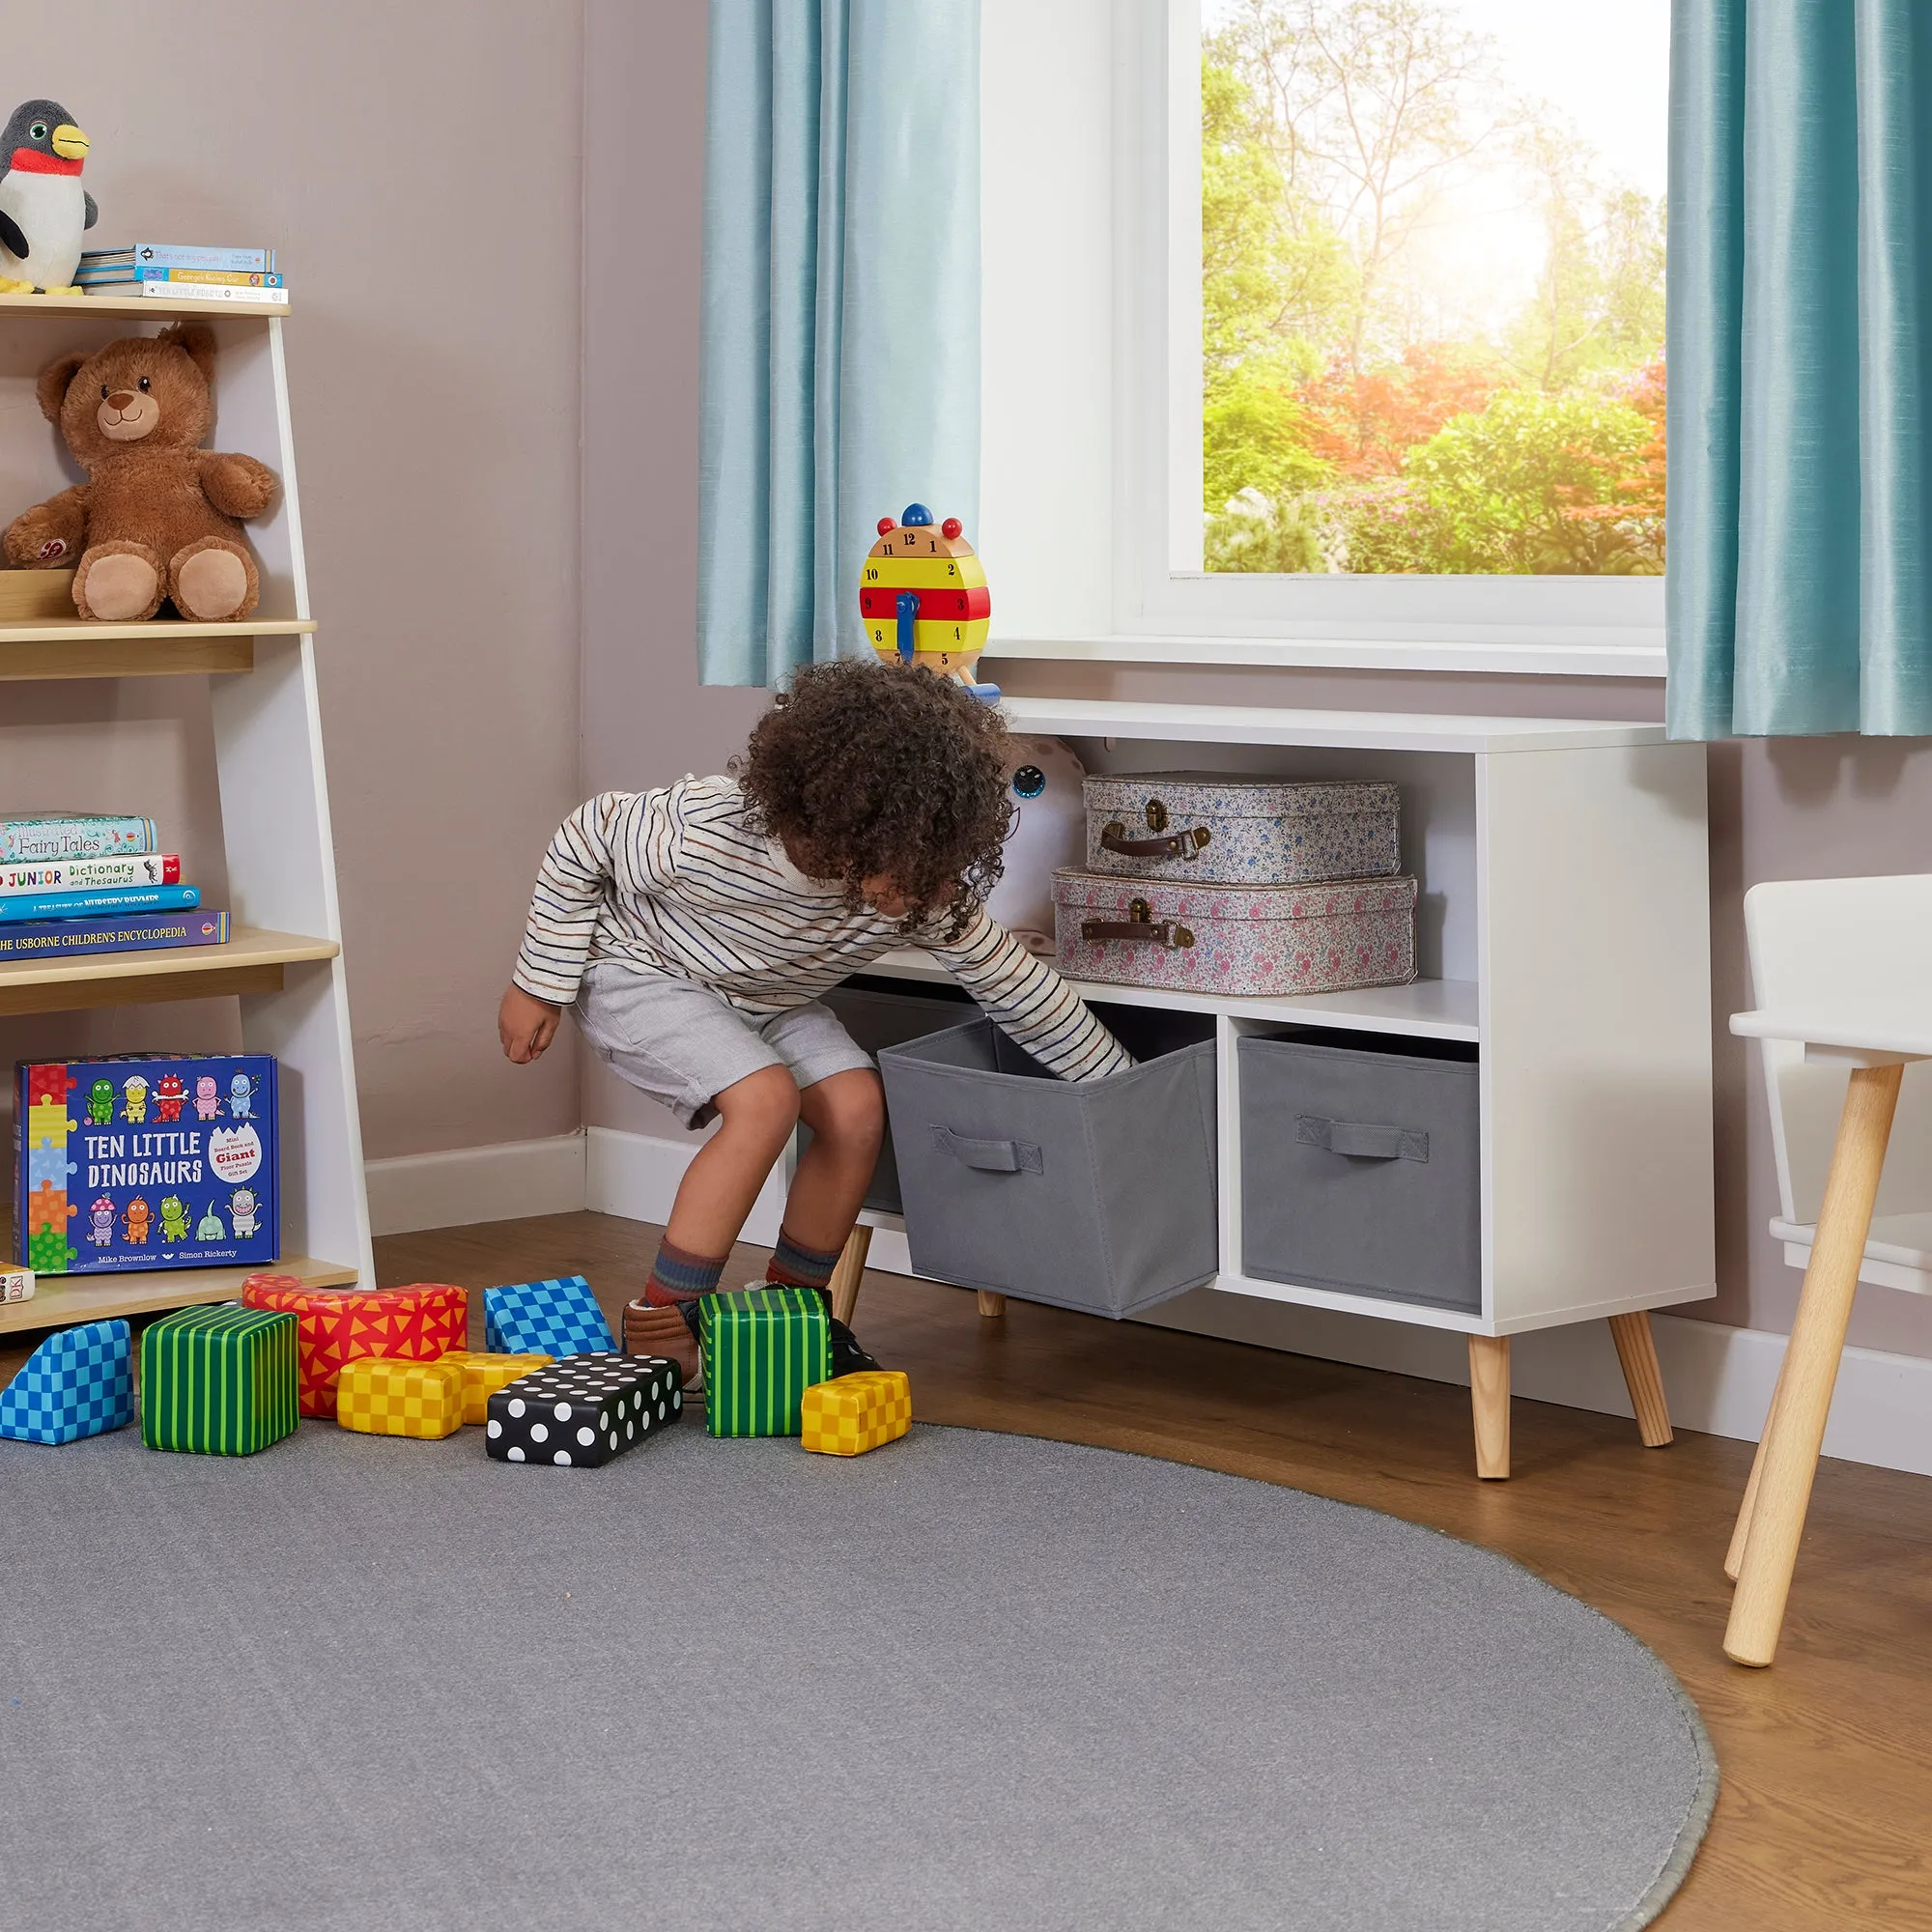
(795, 1265)
(681, 1281)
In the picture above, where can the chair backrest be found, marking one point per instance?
(1812, 943)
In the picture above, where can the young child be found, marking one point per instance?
(694, 926)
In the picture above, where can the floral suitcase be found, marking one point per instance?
(1320, 938)
(1213, 827)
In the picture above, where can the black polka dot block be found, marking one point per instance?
(584, 1410)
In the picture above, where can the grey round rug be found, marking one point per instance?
(972, 1680)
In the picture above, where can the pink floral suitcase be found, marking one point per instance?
(1320, 938)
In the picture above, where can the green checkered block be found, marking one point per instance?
(763, 1349)
(220, 1381)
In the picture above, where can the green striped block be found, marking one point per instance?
(220, 1381)
(763, 1349)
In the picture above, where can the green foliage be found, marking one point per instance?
(1339, 432)
(1534, 484)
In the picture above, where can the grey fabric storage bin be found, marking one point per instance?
(1097, 1195)
(878, 1016)
(1361, 1168)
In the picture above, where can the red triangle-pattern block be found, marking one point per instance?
(334, 1325)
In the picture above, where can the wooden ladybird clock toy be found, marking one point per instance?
(924, 598)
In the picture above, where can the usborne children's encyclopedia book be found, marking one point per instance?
(124, 932)
(146, 1161)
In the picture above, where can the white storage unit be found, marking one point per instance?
(283, 959)
(1564, 931)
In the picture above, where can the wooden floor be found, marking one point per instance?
(1825, 1820)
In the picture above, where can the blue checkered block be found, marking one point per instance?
(546, 1317)
(79, 1383)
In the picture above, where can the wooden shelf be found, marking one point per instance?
(61, 1300)
(251, 962)
(126, 305)
(1426, 1008)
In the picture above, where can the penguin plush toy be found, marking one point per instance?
(43, 209)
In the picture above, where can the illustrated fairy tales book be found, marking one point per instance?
(146, 1161)
(922, 597)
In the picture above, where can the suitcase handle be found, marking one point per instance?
(1163, 932)
(1177, 845)
(1365, 1140)
(990, 1156)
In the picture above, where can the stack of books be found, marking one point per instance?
(78, 883)
(182, 272)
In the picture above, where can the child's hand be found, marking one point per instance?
(525, 1025)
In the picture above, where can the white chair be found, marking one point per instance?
(1842, 971)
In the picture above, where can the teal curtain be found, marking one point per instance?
(841, 372)
(1800, 350)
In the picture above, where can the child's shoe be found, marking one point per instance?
(848, 1357)
(649, 1330)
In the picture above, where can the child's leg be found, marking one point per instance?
(756, 1116)
(846, 1113)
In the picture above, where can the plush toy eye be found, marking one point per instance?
(146, 386)
(1028, 781)
(38, 131)
(103, 392)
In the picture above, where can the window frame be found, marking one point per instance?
(1165, 607)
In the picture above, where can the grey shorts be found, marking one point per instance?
(683, 1044)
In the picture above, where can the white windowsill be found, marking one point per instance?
(1528, 660)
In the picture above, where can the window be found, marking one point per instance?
(1432, 286)
(1362, 360)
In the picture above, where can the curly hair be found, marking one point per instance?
(868, 770)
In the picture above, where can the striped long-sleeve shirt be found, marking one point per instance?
(675, 882)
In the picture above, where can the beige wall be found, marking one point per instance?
(418, 167)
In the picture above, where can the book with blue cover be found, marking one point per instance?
(147, 1161)
(96, 902)
(126, 933)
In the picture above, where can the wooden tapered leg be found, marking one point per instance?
(849, 1273)
(1490, 1399)
(1637, 1351)
(1797, 1428)
(1733, 1556)
(991, 1305)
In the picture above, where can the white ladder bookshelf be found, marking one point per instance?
(283, 961)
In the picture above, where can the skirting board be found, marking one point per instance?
(1719, 1378)
(508, 1182)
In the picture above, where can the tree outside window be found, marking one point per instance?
(1433, 309)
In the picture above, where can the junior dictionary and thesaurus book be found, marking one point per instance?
(146, 1161)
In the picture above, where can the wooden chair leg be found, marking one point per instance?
(1489, 1400)
(1797, 1430)
(849, 1273)
(1733, 1556)
(1637, 1351)
(991, 1305)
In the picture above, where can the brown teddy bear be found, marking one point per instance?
(158, 516)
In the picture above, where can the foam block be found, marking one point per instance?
(79, 1383)
(378, 1395)
(559, 1317)
(484, 1374)
(582, 1411)
(219, 1382)
(763, 1349)
(334, 1325)
(851, 1414)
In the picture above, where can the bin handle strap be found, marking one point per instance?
(1367, 1140)
(1175, 845)
(990, 1156)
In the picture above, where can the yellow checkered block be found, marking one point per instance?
(852, 1413)
(378, 1396)
(484, 1374)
